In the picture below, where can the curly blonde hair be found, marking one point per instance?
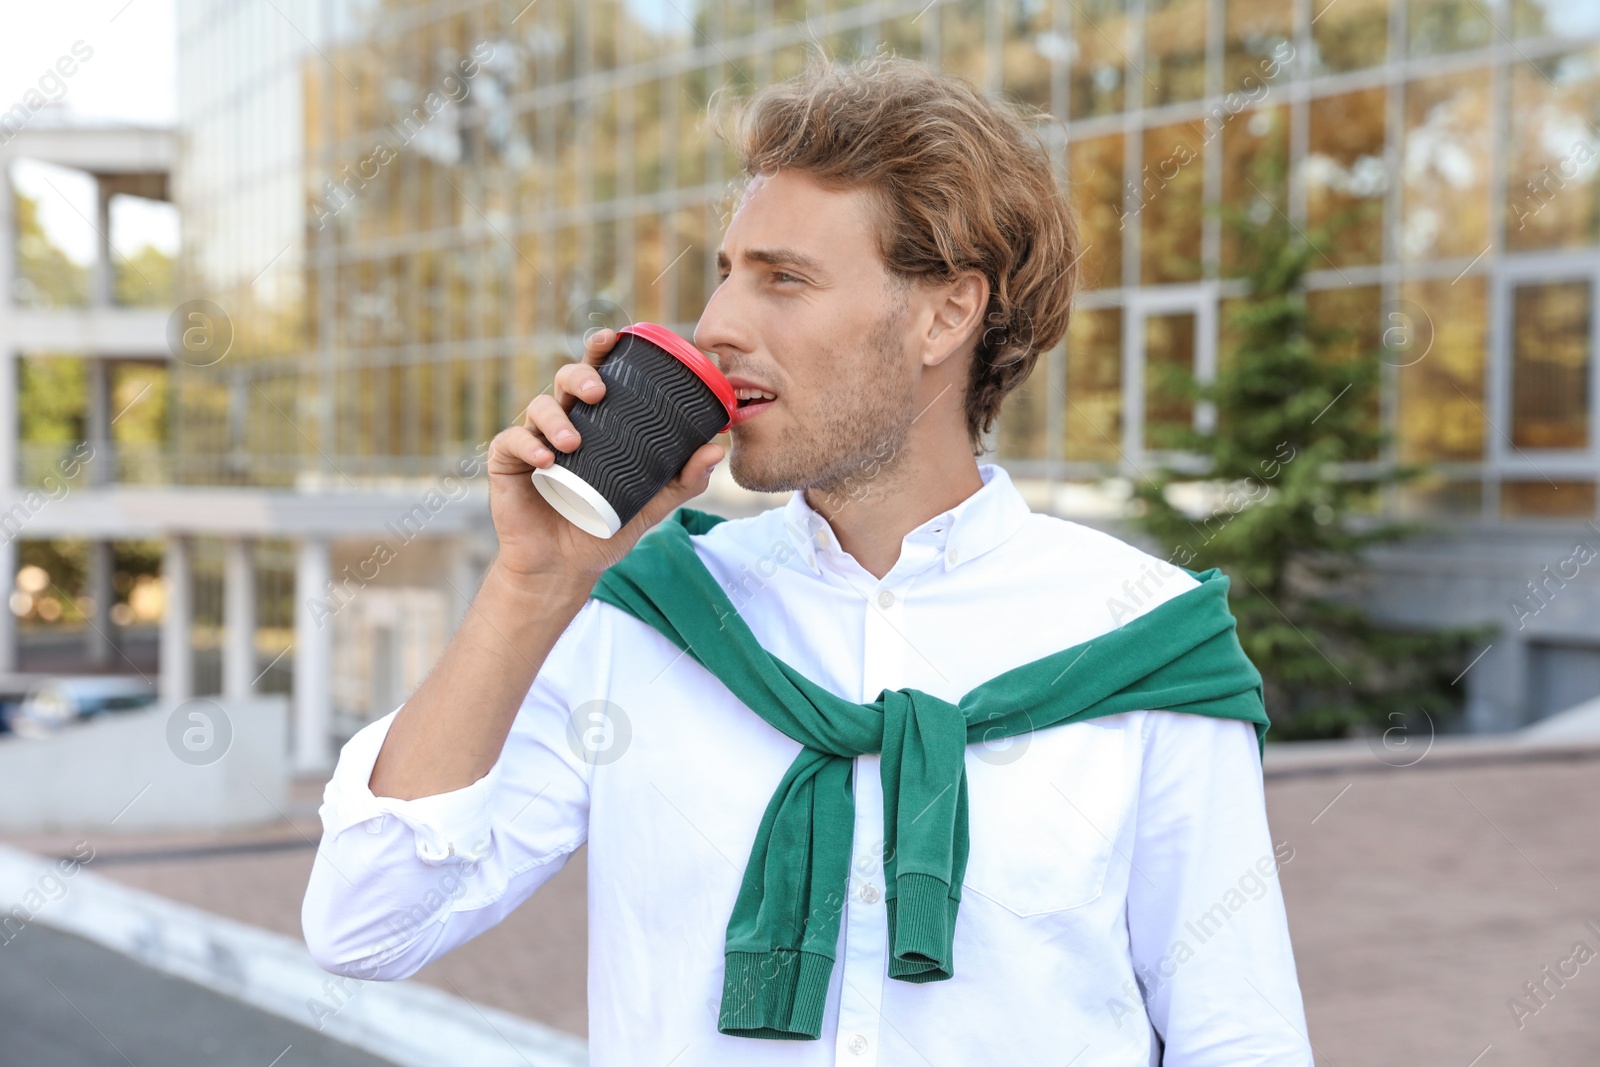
(958, 181)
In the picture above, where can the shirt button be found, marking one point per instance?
(951, 556)
(858, 1044)
(885, 599)
(869, 893)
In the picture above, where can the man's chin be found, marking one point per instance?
(750, 470)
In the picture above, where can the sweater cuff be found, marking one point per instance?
(778, 994)
(922, 922)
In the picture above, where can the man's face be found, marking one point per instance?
(807, 310)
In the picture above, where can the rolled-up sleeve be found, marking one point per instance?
(1206, 920)
(398, 883)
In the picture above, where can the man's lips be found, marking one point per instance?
(750, 409)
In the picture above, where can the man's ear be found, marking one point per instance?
(958, 308)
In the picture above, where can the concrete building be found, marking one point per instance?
(95, 492)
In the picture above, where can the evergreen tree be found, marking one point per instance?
(1288, 521)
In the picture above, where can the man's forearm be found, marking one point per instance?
(451, 731)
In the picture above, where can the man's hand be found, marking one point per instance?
(451, 731)
(537, 543)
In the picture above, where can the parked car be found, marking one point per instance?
(56, 702)
(11, 698)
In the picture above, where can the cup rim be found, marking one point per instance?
(690, 357)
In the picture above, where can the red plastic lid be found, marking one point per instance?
(691, 357)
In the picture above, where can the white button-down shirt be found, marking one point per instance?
(1121, 889)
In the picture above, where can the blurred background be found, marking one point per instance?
(273, 272)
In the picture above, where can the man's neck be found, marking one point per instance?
(873, 519)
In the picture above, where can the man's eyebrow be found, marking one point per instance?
(775, 257)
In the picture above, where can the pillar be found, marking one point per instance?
(100, 470)
(238, 619)
(99, 639)
(177, 654)
(313, 660)
(8, 621)
(102, 275)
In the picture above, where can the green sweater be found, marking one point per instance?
(1181, 656)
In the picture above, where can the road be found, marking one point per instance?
(66, 1002)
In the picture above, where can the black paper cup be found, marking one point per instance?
(663, 400)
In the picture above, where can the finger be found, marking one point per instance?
(549, 419)
(518, 451)
(578, 381)
(700, 465)
(527, 412)
(598, 345)
(691, 481)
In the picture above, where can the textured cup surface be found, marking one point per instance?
(662, 401)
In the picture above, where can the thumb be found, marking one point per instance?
(690, 482)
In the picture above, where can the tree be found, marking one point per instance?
(1290, 519)
(46, 276)
(146, 278)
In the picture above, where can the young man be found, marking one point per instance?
(899, 258)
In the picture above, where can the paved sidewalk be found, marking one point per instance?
(1420, 899)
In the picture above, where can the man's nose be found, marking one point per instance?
(716, 331)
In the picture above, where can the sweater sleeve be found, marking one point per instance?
(1206, 921)
(398, 883)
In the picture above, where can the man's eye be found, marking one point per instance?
(784, 276)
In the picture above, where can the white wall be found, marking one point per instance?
(164, 768)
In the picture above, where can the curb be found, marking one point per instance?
(1381, 754)
(406, 1022)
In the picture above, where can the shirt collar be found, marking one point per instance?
(972, 527)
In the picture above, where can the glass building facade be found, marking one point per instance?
(399, 218)
(409, 212)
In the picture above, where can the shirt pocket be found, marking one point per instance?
(1046, 823)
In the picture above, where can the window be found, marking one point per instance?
(1445, 167)
(1095, 169)
(1170, 201)
(962, 39)
(1442, 413)
(1543, 500)
(1255, 32)
(1169, 351)
(1345, 174)
(1348, 34)
(1093, 410)
(1553, 159)
(1030, 45)
(1255, 148)
(1348, 325)
(1024, 413)
(1101, 41)
(1550, 364)
(1439, 26)
(1175, 51)
(1554, 18)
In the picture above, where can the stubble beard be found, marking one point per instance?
(853, 440)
